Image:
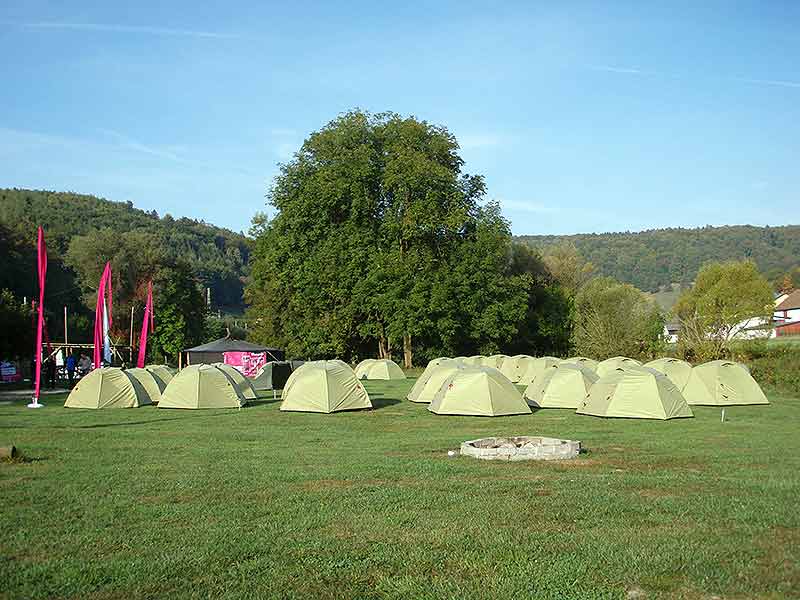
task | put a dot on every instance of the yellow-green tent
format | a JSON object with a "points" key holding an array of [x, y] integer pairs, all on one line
{"points": [[537, 367], [678, 371], [587, 363], [478, 391], [495, 361], [324, 386], [383, 369], [636, 393], [514, 366], [361, 368], [722, 383], [162, 373], [431, 380], [242, 383], [611, 364], [474, 361], [563, 386], [201, 386], [107, 387], [151, 384]]}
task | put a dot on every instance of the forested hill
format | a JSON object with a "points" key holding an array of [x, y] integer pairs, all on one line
{"points": [[656, 258], [219, 257]]}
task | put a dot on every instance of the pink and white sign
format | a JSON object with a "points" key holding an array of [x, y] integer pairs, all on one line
{"points": [[247, 363]]}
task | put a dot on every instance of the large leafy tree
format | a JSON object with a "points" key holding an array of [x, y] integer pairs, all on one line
{"points": [[380, 242], [726, 296], [613, 318]]}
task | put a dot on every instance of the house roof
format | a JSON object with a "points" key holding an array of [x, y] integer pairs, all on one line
{"points": [[791, 302], [228, 344]]}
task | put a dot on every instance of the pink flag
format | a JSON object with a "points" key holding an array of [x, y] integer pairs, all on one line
{"points": [[41, 250], [99, 333], [148, 322]]}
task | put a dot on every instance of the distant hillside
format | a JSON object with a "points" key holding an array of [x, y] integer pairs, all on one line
{"points": [[218, 256], [653, 260]]}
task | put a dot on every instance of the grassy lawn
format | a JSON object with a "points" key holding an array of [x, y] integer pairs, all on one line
{"points": [[256, 503]]}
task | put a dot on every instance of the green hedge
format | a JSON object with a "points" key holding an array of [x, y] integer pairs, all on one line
{"points": [[772, 365]]}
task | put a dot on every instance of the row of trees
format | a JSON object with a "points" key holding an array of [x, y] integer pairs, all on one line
{"points": [[653, 260], [381, 244], [136, 257]]}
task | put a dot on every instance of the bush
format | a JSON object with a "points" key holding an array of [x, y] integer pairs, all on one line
{"points": [[772, 365]]}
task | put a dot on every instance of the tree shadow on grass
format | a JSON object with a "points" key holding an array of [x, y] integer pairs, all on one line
{"points": [[120, 424]]}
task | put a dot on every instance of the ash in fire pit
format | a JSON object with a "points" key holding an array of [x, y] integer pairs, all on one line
{"points": [[521, 448]]}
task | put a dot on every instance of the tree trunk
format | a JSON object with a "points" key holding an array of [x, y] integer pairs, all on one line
{"points": [[381, 347], [389, 348], [407, 350]]}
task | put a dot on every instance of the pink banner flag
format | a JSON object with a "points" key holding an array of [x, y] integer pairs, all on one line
{"points": [[41, 251], [100, 312], [249, 363], [148, 323]]}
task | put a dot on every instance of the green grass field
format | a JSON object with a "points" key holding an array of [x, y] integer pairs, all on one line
{"points": [[149, 503]]}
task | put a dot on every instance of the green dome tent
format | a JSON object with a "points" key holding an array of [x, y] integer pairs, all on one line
{"points": [[361, 368], [513, 367], [678, 371], [201, 386], [242, 383], [431, 380], [324, 386], [635, 393], [495, 361], [383, 369], [563, 386], [536, 368], [611, 364], [152, 385], [478, 391], [422, 380], [587, 363], [272, 376], [107, 387], [722, 383], [162, 373]]}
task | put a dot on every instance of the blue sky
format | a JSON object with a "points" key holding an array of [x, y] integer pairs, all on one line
{"points": [[582, 116]]}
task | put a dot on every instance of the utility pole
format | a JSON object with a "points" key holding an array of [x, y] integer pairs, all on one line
{"points": [[131, 344]]}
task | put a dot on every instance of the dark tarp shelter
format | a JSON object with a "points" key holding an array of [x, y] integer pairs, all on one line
{"points": [[213, 352], [272, 376]]}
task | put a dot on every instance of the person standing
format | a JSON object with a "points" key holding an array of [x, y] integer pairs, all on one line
{"points": [[50, 366], [71, 368]]}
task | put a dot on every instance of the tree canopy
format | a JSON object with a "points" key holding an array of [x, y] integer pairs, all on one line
{"points": [[381, 242], [616, 319], [725, 295]]}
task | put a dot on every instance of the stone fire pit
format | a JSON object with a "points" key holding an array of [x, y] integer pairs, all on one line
{"points": [[521, 448]]}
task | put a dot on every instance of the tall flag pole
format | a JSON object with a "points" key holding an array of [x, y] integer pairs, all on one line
{"points": [[41, 252], [148, 323], [102, 318]]}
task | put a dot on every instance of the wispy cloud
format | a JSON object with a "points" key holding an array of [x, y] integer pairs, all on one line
{"points": [[132, 144], [609, 69], [635, 71], [112, 28], [789, 84]]}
